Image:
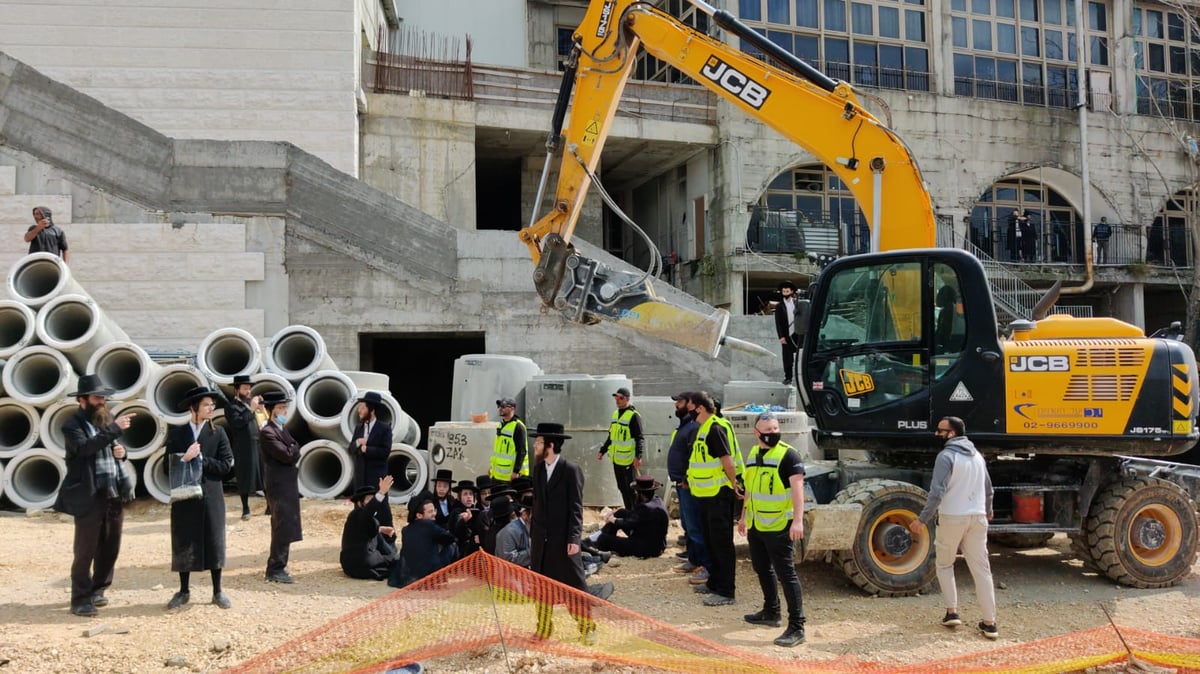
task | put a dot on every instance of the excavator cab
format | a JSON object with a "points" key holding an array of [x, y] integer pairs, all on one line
{"points": [[893, 337]]}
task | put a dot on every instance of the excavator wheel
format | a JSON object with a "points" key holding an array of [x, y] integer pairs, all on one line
{"points": [[887, 559], [1018, 541], [1083, 551], [1142, 532]]}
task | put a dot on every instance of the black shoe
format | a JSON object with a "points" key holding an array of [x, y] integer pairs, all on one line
{"points": [[601, 591], [85, 610], [604, 556], [794, 636], [951, 619], [763, 618], [989, 631], [179, 599], [245, 515], [681, 555], [681, 541], [222, 600], [787, 381], [280, 577], [99, 601]]}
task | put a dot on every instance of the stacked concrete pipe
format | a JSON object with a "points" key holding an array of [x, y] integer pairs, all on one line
{"points": [[265, 382], [124, 367], [147, 431], [155, 478], [78, 327], [325, 469], [227, 353], [297, 352], [167, 387], [38, 376], [50, 428], [38, 278], [409, 468], [33, 478], [18, 327], [18, 427], [321, 400]]}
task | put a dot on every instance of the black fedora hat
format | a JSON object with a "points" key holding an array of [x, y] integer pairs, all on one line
{"points": [[239, 379], [197, 392], [363, 492], [787, 284], [371, 398], [503, 489], [484, 482], [273, 398], [504, 506], [521, 483], [444, 475], [645, 483], [90, 385], [550, 430], [465, 484]]}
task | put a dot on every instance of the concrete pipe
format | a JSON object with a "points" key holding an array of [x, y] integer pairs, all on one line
{"points": [[390, 414], [124, 367], [18, 427], [369, 381], [228, 352], [155, 477], [50, 427], [40, 277], [38, 376], [297, 352], [33, 478], [326, 470], [146, 432], [321, 400], [409, 468], [410, 434], [18, 327], [267, 381], [77, 326], [3, 481], [166, 389]]}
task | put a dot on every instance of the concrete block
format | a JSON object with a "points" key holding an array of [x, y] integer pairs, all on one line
{"points": [[151, 324], [145, 237], [17, 209], [8, 180], [167, 295], [167, 267]]}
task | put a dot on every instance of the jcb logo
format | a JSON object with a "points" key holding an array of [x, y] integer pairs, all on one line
{"points": [[856, 383], [1039, 364], [605, 18], [739, 84]]}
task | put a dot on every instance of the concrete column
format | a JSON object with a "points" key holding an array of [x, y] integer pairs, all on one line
{"points": [[1124, 77], [941, 48], [1129, 304]]}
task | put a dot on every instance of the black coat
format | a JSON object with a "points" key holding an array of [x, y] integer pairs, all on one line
{"points": [[242, 427], [77, 493], [781, 318], [557, 521], [371, 465], [281, 454], [198, 525], [646, 526], [423, 548], [365, 552]]}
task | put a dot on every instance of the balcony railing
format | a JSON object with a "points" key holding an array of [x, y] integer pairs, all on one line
{"points": [[1027, 94], [1154, 245], [805, 232]]}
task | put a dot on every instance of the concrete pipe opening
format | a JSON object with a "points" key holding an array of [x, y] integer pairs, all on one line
{"points": [[124, 367], [325, 470], [409, 468], [167, 388], [388, 414], [38, 376], [18, 327], [228, 352], [267, 381], [75, 325], [50, 428], [155, 477], [18, 427], [40, 277], [296, 352], [320, 401], [33, 478], [146, 431]]}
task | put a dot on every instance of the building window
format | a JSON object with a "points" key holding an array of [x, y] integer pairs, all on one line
{"points": [[652, 69], [808, 208], [1054, 232], [1023, 51], [565, 45], [1166, 54], [1169, 237], [875, 43]]}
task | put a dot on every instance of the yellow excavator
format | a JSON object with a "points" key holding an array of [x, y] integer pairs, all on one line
{"points": [[1068, 410]]}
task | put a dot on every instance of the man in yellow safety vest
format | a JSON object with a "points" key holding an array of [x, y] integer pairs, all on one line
{"points": [[511, 449], [626, 444], [712, 480]]}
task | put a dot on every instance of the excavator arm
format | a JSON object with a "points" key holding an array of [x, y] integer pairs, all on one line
{"points": [[817, 113]]}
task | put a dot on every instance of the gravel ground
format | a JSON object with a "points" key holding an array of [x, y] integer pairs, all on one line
{"points": [[1044, 593]]}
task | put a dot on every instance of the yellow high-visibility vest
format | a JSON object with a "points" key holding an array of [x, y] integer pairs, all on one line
{"points": [[768, 498], [621, 445], [504, 451], [705, 474]]}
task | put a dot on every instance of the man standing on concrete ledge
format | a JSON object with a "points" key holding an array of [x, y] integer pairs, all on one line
{"points": [[785, 328], [370, 446], [627, 444], [43, 236]]}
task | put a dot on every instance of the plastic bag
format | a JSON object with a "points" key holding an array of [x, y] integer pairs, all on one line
{"points": [[185, 477]]}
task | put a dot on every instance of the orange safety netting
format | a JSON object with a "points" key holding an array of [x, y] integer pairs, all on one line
{"points": [[482, 602]]}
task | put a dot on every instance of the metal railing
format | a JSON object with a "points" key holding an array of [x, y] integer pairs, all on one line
{"points": [[1062, 243], [791, 232], [1028, 94], [1010, 295]]}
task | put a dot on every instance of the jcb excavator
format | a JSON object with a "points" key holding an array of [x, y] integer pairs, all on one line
{"points": [[1067, 409]]}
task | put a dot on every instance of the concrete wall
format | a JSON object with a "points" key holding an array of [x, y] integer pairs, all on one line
{"points": [[496, 27], [226, 69]]}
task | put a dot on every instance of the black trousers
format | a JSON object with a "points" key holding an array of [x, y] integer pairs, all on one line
{"points": [[790, 346], [623, 546], [773, 557], [625, 476], [97, 544], [716, 516], [277, 559]]}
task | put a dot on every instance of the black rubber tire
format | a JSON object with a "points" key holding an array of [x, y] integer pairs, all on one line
{"points": [[1083, 551], [890, 503], [1018, 541], [1157, 507]]}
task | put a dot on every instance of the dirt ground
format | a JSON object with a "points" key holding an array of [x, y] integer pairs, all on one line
{"points": [[1044, 593]]}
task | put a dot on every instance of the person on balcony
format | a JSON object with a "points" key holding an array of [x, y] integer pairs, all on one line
{"points": [[1101, 233]]}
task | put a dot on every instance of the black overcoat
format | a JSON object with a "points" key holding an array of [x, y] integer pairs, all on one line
{"points": [[198, 525], [242, 427], [366, 553], [77, 495], [371, 465], [281, 456], [557, 521]]}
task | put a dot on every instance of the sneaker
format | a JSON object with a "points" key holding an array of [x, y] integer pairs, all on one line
{"points": [[681, 555], [601, 591], [699, 576], [590, 570], [86, 610], [701, 589], [989, 631], [951, 619], [685, 567], [715, 599], [794, 636], [280, 577], [763, 618]]}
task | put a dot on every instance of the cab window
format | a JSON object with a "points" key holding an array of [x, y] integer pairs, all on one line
{"points": [[950, 326]]}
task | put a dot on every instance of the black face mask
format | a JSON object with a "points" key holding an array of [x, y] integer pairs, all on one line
{"points": [[770, 439]]}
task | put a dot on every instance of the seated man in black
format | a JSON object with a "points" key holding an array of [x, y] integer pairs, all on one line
{"points": [[645, 525], [425, 547], [470, 523], [368, 549]]}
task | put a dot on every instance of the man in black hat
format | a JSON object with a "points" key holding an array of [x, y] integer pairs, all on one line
{"points": [[95, 491], [512, 543], [444, 504], [469, 525], [198, 524], [370, 446], [368, 550], [785, 328], [484, 484], [644, 526], [281, 456], [625, 444], [242, 426], [556, 526], [510, 452]]}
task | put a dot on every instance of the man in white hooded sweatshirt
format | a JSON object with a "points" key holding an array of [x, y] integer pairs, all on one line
{"points": [[961, 497]]}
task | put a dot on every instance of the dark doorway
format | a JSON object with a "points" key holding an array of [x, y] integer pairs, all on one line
{"points": [[498, 194], [421, 368]]}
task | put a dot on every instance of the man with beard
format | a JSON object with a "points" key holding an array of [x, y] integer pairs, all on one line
{"points": [[242, 424], [511, 448], [95, 491], [281, 454], [198, 524], [697, 561], [370, 446]]}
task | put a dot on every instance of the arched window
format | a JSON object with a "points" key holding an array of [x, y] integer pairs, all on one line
{"points": [[1168, 239], [811, 206], [1053, 232]]}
